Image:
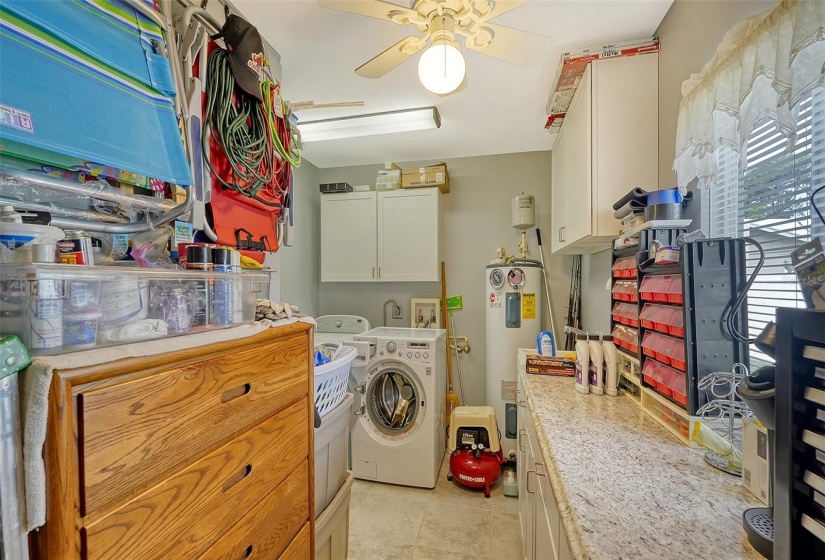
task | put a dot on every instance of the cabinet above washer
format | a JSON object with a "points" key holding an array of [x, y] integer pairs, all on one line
{"points": [[390, 236]]}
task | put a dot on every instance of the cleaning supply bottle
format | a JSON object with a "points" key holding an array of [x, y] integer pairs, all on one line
{"points": [[582, 363], [546, 344], [510, 485], [611, 367], [596, 377]]}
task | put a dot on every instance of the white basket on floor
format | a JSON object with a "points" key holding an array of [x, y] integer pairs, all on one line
{"points": [[331, 381]]}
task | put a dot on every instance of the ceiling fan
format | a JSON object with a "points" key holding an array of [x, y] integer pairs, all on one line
{"points": [[441, 67]]}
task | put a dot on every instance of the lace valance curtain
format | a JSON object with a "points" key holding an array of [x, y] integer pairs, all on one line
{"points": [[763, 68]]}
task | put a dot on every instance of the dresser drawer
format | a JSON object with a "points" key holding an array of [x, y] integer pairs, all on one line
{"points": [[134, 434], [269, 529], [186, 513], [300, 547]]}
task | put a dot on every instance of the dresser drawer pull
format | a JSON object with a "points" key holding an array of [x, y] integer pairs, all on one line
{"points": [[248, 553], [237, 478], [233, 394]]}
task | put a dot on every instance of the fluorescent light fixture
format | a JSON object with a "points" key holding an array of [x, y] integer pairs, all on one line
{"points": [[407, 120]]}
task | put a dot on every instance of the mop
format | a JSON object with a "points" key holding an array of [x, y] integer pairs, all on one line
{"points": [[546, 285]]}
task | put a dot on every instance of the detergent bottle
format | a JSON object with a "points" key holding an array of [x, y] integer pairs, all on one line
{"points": [[596, 377], [611, 367], [582, 363]]}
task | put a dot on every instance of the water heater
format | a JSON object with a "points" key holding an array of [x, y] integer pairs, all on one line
{"points": [[513, 321]]}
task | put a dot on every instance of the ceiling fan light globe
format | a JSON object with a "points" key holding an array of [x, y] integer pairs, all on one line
{"points": [[441, 68]]}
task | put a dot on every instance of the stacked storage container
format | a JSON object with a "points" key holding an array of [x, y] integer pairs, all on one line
{"points": [[333, 480]]}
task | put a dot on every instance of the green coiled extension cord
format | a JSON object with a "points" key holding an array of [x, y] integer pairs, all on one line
{"points": [[286, 154], [245, 131]]}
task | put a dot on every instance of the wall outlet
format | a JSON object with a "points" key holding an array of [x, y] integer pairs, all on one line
{"points": [[455, 302], [397, 312]]}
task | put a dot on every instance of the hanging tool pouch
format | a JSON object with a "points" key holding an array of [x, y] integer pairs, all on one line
{"points": [[239, 220]]}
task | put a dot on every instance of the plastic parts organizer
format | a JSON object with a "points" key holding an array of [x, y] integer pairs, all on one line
{"points": [[626, 314], [664, 319], [668, 381], [665, 288], [627, 338], [625, 267], [626, 290]]}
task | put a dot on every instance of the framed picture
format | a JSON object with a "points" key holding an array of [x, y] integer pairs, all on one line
{"points": [[425, 313]]}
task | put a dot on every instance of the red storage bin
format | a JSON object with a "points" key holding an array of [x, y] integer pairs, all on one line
{"points": [[667, 380], [648, 315], [674, 290], [625, 267], [647, 288], [661, 287], [677, 359], [680, 398], [677, 325], [649, 344]]}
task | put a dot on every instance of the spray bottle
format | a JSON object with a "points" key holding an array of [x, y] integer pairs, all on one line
{"points": [[596, 377], [582, 363], [611, 367]]}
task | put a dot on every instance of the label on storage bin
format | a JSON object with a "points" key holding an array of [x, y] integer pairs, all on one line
{"points": [[528, 306]]}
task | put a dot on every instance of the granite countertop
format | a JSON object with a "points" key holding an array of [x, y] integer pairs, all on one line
{"points": [[625, 486]]}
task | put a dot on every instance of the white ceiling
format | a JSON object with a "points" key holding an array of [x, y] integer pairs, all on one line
{"points": [[502, 110]]}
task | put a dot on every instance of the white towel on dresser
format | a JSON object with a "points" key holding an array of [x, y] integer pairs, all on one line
{"points": [[36, 380]]}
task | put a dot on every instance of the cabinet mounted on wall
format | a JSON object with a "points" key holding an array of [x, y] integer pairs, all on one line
{"points": [[390, 236], [607, 145]]}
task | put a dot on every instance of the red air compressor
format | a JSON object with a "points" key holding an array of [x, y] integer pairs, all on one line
{"points": [[475, 453]]}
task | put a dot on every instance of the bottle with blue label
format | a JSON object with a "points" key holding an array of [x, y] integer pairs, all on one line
{"points": [[546, 343]]}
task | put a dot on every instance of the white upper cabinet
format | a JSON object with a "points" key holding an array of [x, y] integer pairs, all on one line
{"points": [[607, 145], [408, 235], [388, 236], [348, 237]]}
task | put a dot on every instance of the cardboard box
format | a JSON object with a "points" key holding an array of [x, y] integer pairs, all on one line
{"points": [[431, 176], [550, 365], [756, 469]]}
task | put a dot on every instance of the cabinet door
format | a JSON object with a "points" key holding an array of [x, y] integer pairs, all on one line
{"points": [[559, 185], [349, 236], [408, 228], [525, 513], [578, 161], [548, 522]]}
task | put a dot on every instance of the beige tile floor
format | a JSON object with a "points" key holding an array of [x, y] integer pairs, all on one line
{"points": [[450, 522]]}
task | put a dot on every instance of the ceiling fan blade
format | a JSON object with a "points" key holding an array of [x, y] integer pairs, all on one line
{"points": [[461, 86], [390, 58], [511, 45], [370, 8], [504, 6]]}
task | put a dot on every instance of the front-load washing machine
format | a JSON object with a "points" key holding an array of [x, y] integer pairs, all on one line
{"points": [[399, 432]]}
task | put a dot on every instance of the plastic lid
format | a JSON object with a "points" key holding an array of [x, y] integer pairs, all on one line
{"points": [[221, 257], [43, 252], [198, 254]]}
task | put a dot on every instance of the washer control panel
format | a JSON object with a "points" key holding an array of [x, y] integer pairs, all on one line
{"points": [[414, 351]]}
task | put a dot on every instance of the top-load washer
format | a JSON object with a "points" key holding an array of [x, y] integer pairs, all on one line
{"points": [[399, 429]]}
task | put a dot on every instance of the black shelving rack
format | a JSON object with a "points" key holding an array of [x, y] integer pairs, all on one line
{"points": [[712, 275], [799, 474]]}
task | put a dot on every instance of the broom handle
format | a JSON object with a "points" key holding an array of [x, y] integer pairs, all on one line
{"points": [[446, 323]]}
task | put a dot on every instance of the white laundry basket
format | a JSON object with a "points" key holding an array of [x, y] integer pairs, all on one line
{"points": [[331, 381], [332, 454], [332, 526]]}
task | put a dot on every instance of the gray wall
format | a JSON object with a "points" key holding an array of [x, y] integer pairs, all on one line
{"points": [[476, 221], [689, 35], [300, 265]]}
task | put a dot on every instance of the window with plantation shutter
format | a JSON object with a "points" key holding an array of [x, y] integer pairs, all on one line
{"points": [[764, 194]]}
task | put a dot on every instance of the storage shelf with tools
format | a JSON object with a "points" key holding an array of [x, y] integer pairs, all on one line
{"points": [[683, 309]]}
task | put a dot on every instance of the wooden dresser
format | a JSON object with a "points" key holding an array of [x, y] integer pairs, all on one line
{"points": [[201, 454]]}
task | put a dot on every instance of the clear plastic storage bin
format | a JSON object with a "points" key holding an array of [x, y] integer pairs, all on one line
{"points": [[56, 308], [626, 314], [666, 380]]}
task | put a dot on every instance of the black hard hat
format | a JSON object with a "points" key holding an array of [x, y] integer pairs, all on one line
{"points": [[246, 54]]}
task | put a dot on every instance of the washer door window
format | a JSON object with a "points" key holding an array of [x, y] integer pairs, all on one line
{"points": [[393, 401]]}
